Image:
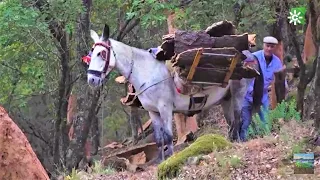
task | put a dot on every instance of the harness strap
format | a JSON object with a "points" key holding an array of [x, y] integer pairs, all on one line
{"points": [[197, 100], [152, 85]]}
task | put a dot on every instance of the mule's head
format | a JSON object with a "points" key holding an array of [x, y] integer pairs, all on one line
{"points": [[101, 60]]}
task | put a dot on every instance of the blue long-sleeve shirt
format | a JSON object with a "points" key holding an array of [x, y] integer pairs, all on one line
{"points": [[268, 76]]}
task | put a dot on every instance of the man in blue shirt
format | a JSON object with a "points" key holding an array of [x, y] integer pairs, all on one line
{"points": [[257, 99]]}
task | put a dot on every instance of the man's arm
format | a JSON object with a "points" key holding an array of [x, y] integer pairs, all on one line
{"points": [[280, 67]]}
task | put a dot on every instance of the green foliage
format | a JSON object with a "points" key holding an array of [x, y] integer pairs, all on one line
{"points": [[297, 148], [73, 176], [151, 12], [29, 60], [116, 121], [99, 169], [229, 161], [204, 144], [23, 48], [200, 14], [285, 110]]}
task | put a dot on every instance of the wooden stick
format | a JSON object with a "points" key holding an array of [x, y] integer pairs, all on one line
{"points": [[194, 64], [231, 69]]}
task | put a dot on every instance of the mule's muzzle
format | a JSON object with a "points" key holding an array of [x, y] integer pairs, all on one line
{"points": [[94, 80]]}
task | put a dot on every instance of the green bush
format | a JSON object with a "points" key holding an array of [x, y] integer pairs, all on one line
{"points": [[285, 110]]}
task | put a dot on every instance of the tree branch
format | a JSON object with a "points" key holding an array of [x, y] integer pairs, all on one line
{"points": [[129, 28]]}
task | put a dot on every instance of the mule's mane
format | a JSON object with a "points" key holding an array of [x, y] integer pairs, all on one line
{"points": [[130, 52]]}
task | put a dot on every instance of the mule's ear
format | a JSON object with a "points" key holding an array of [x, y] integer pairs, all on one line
{"points": [[94, 35], [106, 33]]}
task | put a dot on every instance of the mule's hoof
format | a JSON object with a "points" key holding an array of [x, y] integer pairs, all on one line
{"points": [[167, 154], [156, 161]]}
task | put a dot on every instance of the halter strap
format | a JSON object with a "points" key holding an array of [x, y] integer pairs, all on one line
{"points": [[108, 47], [104, 44]]}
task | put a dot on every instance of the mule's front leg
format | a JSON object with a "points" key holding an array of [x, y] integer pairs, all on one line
{"points": [[232, 108], [167, 116], [238, 90], [158, 135]]}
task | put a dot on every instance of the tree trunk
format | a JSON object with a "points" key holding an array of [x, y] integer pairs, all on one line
{"points": [[309, 54], [304, 76], [309, 48], [314, 8], [95, 133], [61, 139], [135, 123], [310, 101], [300, 97], [57, 29], [87, 98], [317, 93], [277, 33]]}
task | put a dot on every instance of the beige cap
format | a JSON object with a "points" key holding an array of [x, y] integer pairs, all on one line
{"points": [[270, 39]]}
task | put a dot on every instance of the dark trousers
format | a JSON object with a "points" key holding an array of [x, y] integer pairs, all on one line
{"points": [[246, 116]]}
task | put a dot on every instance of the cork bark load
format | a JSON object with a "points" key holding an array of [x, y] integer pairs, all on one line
{"points": [[185, 40], [17, 159], [220, 46]]}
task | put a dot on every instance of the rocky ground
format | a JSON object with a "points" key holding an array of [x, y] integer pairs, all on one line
{"points": [[264, 158]]}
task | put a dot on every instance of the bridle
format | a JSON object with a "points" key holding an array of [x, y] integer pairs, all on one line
{"points": [[105, 55]]}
